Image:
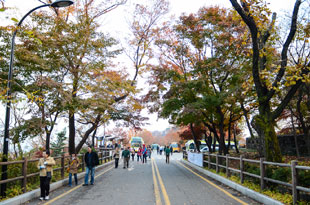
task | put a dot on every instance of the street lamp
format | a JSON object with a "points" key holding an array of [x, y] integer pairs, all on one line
{"points": [[56, 4]]}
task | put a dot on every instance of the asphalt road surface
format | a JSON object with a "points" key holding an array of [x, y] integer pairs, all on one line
{"points": [[152, 183]]}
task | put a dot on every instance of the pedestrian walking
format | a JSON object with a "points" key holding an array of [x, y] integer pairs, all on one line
{"points": [[139, 154], [144, 154], [133, 154], [161, 150], [116, 157], [126, 157], [45, 165], [171, 150], [167, 152], [91, 161], [73, 169], [157, 149], [149, 152]]}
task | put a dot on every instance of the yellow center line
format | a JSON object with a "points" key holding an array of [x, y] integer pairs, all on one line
{"points": [[156, 188], [211, 183], [71, 190], [162, 186]]}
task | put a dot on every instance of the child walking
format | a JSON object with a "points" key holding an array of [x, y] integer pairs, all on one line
{"points": [[73, 169]]}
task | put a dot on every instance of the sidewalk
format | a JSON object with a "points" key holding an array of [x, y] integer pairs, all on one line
{"points": [[23, 198]]}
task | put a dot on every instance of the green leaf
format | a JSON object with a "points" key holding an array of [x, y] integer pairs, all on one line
{"points": [[29, 32], [14, 19]]}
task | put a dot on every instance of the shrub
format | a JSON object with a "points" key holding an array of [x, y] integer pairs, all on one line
{"points": [[281, 174], [304, 178]]}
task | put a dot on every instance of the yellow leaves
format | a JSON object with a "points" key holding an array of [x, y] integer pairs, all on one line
{"points": [[33, 98], [294, 74], [137, 106]]}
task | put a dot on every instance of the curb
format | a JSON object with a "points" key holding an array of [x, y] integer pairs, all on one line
{"points": [[245, 191], [23, 198]]}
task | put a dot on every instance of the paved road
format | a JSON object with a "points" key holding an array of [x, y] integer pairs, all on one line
{"points": [[153, 183]]}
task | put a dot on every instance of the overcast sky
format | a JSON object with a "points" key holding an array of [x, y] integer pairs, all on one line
{"points": [[115, 22]]}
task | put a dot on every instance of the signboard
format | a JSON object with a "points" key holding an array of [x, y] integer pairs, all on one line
{"points": [[195, 158]]}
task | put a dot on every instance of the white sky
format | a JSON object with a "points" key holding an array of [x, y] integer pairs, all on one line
{"points": [[115, 22]]}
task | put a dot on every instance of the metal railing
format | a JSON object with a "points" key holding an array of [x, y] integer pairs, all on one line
{"points": [[293, 185]]}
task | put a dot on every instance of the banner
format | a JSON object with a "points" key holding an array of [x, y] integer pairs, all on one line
{"points": [[195, 158]]}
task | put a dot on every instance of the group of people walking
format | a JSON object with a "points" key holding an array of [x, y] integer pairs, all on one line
{"points": [[46, 163], [143, 153]]}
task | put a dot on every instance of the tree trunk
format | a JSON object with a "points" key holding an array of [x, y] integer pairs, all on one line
{"points": [[48, 131], [208, 139], [93, 137], [264, 127], [48, 138], [195, 137], [229, 133], [20, 150], [222, 148], [214, 144], [15, 151], [71, 116], [235, 140], [294, 133], [87, 133], [71, 132], [247, 120]]}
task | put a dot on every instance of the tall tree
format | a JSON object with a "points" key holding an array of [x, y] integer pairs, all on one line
{"points": [[255, 16], [201, 68]]}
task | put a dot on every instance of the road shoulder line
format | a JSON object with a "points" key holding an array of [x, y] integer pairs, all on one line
{"points": [[245, 191], [214, 185]]}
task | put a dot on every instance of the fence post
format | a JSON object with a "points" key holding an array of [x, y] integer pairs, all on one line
{"points": [[241, 169], [83, 163], [105, 156], [262, 173], [101, 153], [63, 166], [24, 173], [209, 160], [294, 181], [217, 163], [227, 165]]}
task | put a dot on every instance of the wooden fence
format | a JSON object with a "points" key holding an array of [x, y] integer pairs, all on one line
{"points": [[104, 155], [262, 177]]}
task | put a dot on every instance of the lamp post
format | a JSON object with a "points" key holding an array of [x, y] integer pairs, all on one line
{"points": [[56, 4]]}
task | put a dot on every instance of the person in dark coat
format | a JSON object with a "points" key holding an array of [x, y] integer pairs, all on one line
{"points": [[91, 161], [144, 154], [126, 157], [167, 151]]}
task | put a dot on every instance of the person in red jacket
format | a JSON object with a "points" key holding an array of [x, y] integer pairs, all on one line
{"points": [[139, 154]]}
